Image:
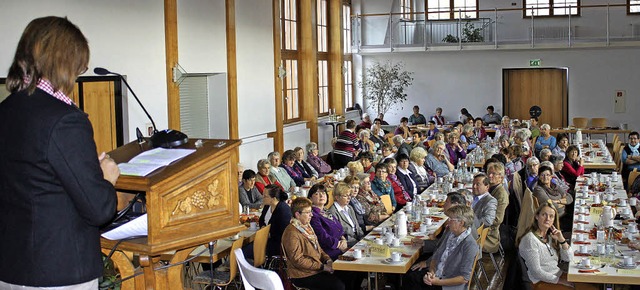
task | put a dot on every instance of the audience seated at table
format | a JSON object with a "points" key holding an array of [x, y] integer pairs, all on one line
{"points": [[484, 205], [521, 138], [516, 155], [401, 146], [416, 118], [366, 121], [387, 151], [479, 130], [403, 128], [366, 159], [547, 191], [327, 227], [355, 167], [381, 118], [573, 167], [366, 144], [464, 116], [454, 150], [418, 140], [495, 171], [276, 212], [471, 140], [558, 179], [539, 249], [562, 143], [380, 185], [302, 164], [405, 176], [377, 136], [452, 262], [374, 210], [419, 172], [431, 133], [298, 174], [505, 127], [400, 193], [630, 156], [438, 118], [315, 161], [308, 265], [438, 161], [279, 173], [354, 184], [523, 179], [347, 146], [345, 214], [264, 176], [545, 140], [249, 195], [491, 117]]}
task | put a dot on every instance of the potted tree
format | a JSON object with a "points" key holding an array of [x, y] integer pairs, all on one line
{"points": [[384, 85]]}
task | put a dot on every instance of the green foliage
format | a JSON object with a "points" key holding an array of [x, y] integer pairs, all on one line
{"points": [[384, 85], [110, 279], [469, 34]]}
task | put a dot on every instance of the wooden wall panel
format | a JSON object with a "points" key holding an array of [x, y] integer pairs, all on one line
{"points": [[98, 103]]}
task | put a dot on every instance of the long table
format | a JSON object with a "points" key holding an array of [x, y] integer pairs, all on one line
{"points": [[607, 272], [599, 161], [410, 253]]}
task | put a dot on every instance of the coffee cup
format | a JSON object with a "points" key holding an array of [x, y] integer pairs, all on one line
{"points": [[628, 261], [357, 253], [585, 262], [389, 237], [253, 226], [580, 237], [594, 174], [580, 227], [596, 199], [303, 192], [601, 249], [584, 249], [235, 237], [423, 228], [585, 189], [425, 210], [395, 256], [623, 202], [296, 189], [307, 183], [581, 218], [384, 230], [396, 242], [625, 211], [579, 201], [460, 186], [600, 235], [379, 241], [428, 221], [633, 201]]}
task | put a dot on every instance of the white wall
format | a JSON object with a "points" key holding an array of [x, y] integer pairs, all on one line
{"points": [[124, 36]]}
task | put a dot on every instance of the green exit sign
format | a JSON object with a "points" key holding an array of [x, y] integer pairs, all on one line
{"points": [[535, 62]]}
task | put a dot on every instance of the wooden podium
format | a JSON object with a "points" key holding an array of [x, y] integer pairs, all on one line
{"points": [[189, 203]]}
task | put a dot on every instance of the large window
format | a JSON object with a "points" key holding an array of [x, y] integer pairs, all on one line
{"points": [[289, 36], [452, 9], [406, 9], [347, 67], [322, 20], [551, 7], [633, 6]]}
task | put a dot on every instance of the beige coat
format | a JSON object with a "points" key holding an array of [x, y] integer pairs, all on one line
{"points": [[493, 238], [303, 260]]}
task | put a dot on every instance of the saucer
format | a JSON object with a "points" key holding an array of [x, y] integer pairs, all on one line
{"points": [[625, 253], [581, 267], [392, 262], [620, 265], [415, 234], [233, 239]]}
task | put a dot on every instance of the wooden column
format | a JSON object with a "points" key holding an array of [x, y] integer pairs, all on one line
{"points": [[308, 67], [232, 71], [171, 51], [278, 135], [336, 77]]}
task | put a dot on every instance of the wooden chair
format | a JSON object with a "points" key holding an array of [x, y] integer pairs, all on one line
{"points": [[330, 199], [386, 200], [253, 277], [599, 122], [632, 177], [222, 279], [482, 237], [580, 122], [260, 246], [618, 160]]}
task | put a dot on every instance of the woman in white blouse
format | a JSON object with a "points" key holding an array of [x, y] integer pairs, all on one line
{"points": [[416, 166], [540, 246]]}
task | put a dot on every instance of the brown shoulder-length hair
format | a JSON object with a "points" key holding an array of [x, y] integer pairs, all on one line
{"points": [[52, 48]]}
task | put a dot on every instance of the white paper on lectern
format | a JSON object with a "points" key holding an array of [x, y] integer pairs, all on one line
{"points": [[148, 161], [136, 227]]}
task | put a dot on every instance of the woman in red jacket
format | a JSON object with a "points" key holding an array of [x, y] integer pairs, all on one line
{"points": [[572, 168]]}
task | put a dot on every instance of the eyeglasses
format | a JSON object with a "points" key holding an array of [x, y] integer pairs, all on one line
{"points": [[305, 212], [545, 175]]}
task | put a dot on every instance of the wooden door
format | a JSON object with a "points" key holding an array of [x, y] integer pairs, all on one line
{"points": [[546, 88]]}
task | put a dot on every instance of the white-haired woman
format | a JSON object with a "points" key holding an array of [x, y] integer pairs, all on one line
{"points": [[545, 140], [419, 173], [366, 143], [521, 138], [438, 161], [505, 128], [315, 161]]}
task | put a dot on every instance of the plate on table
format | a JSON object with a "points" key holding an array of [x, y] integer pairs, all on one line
{"points": [[620, 265], [389, 261], [582, 267], [620, 254]]}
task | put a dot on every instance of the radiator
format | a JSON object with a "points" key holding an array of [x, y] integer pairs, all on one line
{"points": [[552, 32]]}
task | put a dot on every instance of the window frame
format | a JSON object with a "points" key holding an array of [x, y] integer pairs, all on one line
{"points": [[453, 14], [407, 10], [324, 92], [348, 96], [629, 4], [551, 11], [286, 56]]}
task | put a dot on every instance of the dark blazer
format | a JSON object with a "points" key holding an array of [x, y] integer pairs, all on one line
{"points": [[53, 196], [406, 182], [280, 219]]}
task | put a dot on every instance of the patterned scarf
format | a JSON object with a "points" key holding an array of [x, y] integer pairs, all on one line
{"points": [[357, 206], [307, 231], [394, 178], [384, 184]]}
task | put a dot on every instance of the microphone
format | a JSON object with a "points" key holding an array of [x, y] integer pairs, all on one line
{"points": [[166, 138]]}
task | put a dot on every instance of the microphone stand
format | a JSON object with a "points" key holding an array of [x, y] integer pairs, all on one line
{"points": [[166, 138]]}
